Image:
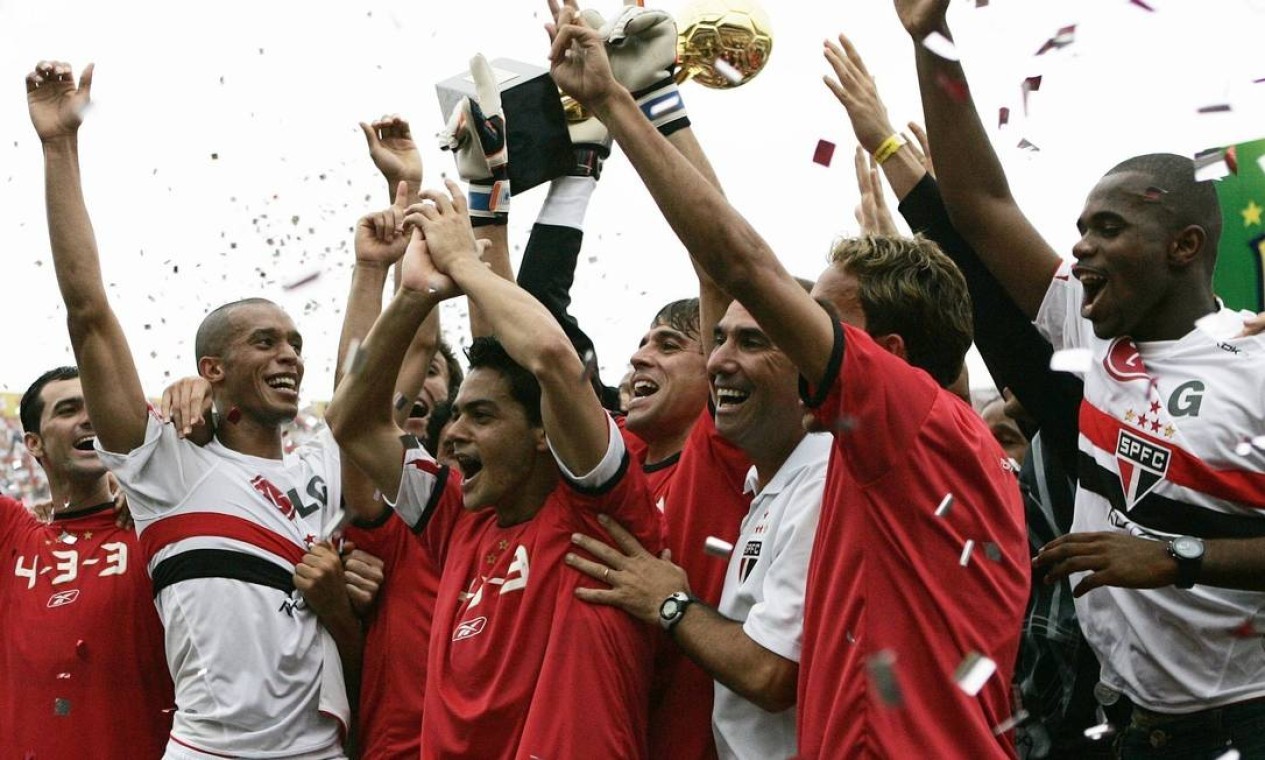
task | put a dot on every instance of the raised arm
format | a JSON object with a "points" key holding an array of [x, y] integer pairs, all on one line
{"points": [[725, 246], [111, 386], [970, 175], [577, 426], [361, 413]]}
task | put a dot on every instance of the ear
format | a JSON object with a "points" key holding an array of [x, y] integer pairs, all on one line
{"points": [[1187, 246], [34, 444], [541, 444], [211, 368], [893, 343]]}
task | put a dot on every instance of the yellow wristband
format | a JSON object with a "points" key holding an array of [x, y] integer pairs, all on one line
{"points": [[888, 147]]}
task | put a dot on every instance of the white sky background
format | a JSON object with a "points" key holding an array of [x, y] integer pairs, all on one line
{"points": [[275, 90]]}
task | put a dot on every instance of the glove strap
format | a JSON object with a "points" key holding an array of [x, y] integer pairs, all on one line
{"points": [[489, 202], [588, 160], [662, 104]]}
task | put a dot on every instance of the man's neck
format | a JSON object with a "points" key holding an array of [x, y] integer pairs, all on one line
{"points": [[73, 495], [1176, 323], [772, 455], [665, 448], [527, 500], [251, 437]]}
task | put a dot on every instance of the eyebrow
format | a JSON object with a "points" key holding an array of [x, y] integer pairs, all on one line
{"points": [[1083, 224], [71, 402], [479, 404]]}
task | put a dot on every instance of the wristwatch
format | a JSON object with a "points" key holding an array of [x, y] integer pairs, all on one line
{"points": [[1189, 553], [673, 609]]}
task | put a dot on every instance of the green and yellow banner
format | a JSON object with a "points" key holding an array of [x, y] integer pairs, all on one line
{"points": [[1240, 275]]}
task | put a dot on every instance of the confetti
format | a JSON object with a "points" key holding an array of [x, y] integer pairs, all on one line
{"points": [[1065, 36], [1214, 108], [1100, 731], [67, 538], [824, 153], [306, 279], [992, 551], [1243, 449], [1031, 84], [945, 505], [1210, 165], [234, 415], [401, 401], [1072, 360], [940, 45], [953, 87], [590, 366], [718, 547], [61, 706], [727, 70], [215, 156], [1259, 442], [966, 552], [1003, 116], [882, 674], [1230, 754], [1010, 723], [973, 672], [1025, 144], [1144, 7]]}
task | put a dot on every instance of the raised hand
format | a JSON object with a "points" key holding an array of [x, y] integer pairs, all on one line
{"points": [[855, 89], [445, 223], [922, 17], [578, 60], [392, 149], [380, 236], [418, 272], [872, 213], [55, 103], [923, 150]]}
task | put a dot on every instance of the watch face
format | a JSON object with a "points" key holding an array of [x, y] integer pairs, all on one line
{"points": [[669, 608], [1188, 547]]}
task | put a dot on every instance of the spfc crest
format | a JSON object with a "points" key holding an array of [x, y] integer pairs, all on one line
{"points": [[750, 556], [1142, 465]]}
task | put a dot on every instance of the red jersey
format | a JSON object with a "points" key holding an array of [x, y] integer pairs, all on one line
{"points": [[887, 575], [519, 667], [82, 669], [397, 636]]}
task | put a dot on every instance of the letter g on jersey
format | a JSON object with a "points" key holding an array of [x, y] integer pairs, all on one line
{"points": [[1187, 399]]}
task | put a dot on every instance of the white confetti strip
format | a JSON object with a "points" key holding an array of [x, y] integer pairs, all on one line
{"points": [[1231, 754], [718, 547], [1072, 360], [1010, 723], [881, 669], [945, 505], [1094, 733], [973, 672], [966, 552], [941, 46], [1243, 449], [727, 70]]}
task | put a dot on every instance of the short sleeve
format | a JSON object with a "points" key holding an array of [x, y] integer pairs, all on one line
{"points": [[871, 400], [777, 622], [1059, 318], [616, 489], [429, 501], [160, 473], [606, 469]]}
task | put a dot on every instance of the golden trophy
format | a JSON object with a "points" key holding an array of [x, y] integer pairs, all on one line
{"points": [[723, 43]]}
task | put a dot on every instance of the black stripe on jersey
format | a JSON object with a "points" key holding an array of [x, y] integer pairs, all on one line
{"points": [[605, 487], [437, 492], [375, 523], [221, 563], [1166, 515], [814, 397]]}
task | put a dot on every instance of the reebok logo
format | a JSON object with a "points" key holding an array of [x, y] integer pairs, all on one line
{"points": [[63, 598], [469, 629]]}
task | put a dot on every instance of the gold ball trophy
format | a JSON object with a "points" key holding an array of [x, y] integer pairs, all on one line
{"points": [[723, 43]]}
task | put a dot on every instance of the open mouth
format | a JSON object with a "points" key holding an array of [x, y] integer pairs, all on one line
{"points": [[468, 465], [420, 410], [1093, 284], [643, 388], [283, 382], [730, 397], [85, 443]]}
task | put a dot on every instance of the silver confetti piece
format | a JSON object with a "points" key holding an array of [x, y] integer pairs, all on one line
{"points": [[945, 505], [966, 552], [355, 358], [1010, 723], [881, 670], [973, 672], [1230, 754], [718, 547], [61, 706]]}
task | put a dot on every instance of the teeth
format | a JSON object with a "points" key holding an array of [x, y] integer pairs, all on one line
{"points": [[730, 396], [644, 387], [283, 382]]}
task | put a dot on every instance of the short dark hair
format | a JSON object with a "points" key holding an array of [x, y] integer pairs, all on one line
{"points": [[435, 421], [1185, 200], [486, 352], [909, 287], [681, 316], [455, 373], [216, 330], [32, 406]]}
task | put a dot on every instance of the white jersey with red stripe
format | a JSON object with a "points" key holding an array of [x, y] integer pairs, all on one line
{"points": [[1165, 450], [221, 533]]}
